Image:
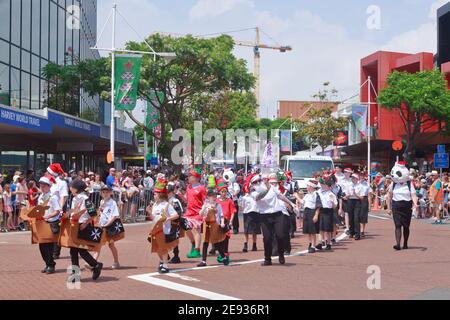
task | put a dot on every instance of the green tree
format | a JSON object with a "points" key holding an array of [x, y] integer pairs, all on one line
{"points": [[422, 101], [203, 70]]}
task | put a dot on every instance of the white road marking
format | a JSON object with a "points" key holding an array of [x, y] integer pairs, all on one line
{"points": [[378, 217], [151, 277], [182, 288], [3, 242], [179, 276]]}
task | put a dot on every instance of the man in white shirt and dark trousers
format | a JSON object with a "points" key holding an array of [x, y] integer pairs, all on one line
{"points": [[345, 184], [362, 191]]}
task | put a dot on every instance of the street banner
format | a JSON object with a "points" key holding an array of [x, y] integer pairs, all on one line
{"points": [[285, 143], [359, 115], [268, 160], [152, 116], [340, 138], [127, 69]]}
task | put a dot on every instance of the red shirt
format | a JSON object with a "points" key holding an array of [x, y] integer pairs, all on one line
{"points": [[31, 193], [228, 207], [195, 198]]}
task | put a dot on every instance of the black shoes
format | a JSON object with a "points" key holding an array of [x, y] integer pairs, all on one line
{"points": [[201, 264], [282, 260], [357, 238], [254, 247], [50, 270], [44, 270], [405, 247], [397, 247], [245, 248], [97, 270], [319, 246], [333, 241], [235, 231], [266, 263], [226, 261], [175, 260], [311, 250], [328, 247], [363, 234], [163, 270]]}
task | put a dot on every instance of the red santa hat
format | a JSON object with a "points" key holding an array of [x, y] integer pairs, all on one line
{"points": [[55, 169], [47, 179]]}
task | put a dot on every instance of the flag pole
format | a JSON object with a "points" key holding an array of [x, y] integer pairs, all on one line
{"points": [[113, 59], [145, 137], [369, 135]]}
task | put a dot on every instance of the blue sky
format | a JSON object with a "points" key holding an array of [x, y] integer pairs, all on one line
{"points": [[329, 37]]}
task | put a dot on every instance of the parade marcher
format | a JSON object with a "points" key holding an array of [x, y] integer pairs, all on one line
{"points": [[250, 210], [233, 189], [164, 238], [401, 200], [338, 211], [328, 202], [80, 202], [311, 214], [52, 216], [229, 212], [213, 225], [362, 191], [176, 204], [272, 221], [110, 217], [196, 195], [346, 184], [61, 191], [338, 174], [353, 208]]}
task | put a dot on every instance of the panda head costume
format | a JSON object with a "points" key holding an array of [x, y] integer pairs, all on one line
{"points": [[399, 173], [229, 176]]}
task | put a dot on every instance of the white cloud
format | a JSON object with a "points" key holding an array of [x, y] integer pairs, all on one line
{"points": [[214, 8]]}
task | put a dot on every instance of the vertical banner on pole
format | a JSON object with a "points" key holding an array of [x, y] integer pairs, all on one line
{"points": [[127, 69], [285, 143], [359, 115]]}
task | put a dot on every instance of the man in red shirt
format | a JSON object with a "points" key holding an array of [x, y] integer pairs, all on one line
{"points": [[195, 196]]}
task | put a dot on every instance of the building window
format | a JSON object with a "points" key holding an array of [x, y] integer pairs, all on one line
{"points": [[4, 19], [15, 87], [15, 22], [15, 56], [35, 93], [4, 85], [25, 91], [53, 32], [4, 51], [35, 29], [44, 28], [26, 24]]}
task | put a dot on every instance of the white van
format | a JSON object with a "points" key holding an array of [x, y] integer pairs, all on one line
{"points": [[304, 165]]}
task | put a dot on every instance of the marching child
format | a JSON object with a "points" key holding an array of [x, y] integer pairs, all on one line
{"points": [[328, 202], [229, 211], [109, 213], [311, 214], [213, 228], [251, 216]]}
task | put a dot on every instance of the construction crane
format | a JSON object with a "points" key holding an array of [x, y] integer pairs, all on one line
{"points": [[257, 45]]}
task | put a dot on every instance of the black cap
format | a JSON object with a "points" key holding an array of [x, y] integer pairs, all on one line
{"points": [[106, 188], [211, 193], [171, 187]]}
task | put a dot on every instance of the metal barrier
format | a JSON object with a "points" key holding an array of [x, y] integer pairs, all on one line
{"points": [[133, 203]]}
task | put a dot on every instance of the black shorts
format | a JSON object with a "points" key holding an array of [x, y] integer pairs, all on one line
{"points": [[252, 223], [326, 220]]}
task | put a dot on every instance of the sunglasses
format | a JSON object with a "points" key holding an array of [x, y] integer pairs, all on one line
{"points": [[256, 182]]}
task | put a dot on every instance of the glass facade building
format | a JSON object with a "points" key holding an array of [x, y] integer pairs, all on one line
{"points": [[36, 32]]}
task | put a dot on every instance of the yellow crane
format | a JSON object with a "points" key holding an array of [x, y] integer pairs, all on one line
{"points": [[257, 45]]}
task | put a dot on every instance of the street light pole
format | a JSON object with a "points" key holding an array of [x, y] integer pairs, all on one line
{"points": [[145, 138], [369, 131], [113, 59]]}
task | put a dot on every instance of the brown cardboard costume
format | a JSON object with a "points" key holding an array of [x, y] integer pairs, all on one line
{"points": [[156, 235], [40, 229], [212, 232], [68, 237]]}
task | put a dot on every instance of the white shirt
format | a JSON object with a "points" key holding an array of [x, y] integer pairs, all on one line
{"points": [[339, 177], [109, 210], [362, 189], [401, 192], [310, 200], [268, 204], [346, 185], [281, 205], [352, 188], [249, 204], [233, 188], [327, 198], [53, 203], [60, 188], [79, 200], [158, 209]]}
